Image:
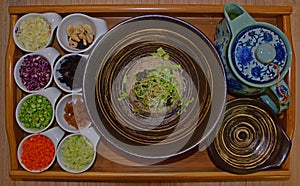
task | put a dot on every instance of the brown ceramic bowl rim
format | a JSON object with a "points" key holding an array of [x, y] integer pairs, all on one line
{"points": [[211, 65]]}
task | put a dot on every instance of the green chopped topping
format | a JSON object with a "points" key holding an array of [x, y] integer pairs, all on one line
{"points": [[185, 103], [161, 53], [158, 89], [77, 152], [123, 96], [124, 79]]}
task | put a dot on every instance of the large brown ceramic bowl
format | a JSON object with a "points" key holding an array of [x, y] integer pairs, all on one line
{"points": [[124, 56]]}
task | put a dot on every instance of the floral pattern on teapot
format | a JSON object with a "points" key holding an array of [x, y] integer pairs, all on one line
{"points": [[246, 63], [222, 39]]}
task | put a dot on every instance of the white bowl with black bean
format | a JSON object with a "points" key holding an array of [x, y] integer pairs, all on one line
{"points": [[68, 72]]}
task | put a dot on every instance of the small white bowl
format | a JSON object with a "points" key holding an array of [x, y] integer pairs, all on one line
{"points": [[51, 94], [53, 19], [55, 135], [50, 54], [78, 75], [99, 27], [60, 112], [92, 137]]}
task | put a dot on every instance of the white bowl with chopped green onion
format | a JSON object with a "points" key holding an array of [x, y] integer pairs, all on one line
{"points": [[77, 152], [35, 31], [35, 112]]}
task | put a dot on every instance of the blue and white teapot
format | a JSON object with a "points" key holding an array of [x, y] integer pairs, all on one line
{"points": [[256, 57]]}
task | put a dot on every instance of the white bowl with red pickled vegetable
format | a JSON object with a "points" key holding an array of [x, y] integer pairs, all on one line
{"points": [[35, 31], [35, 112], [34, 71], [68, 72], [36, 152], [78, 32], [70, 113]]}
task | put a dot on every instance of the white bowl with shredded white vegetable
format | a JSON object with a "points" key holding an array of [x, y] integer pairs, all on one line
{"points": [[35, 31], [77, 152]]}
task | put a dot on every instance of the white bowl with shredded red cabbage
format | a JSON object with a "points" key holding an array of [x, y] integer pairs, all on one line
{"points": [[35, 31], [34, 71]]}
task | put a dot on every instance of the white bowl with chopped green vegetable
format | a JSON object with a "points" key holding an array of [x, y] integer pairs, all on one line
{"points": [[76, 153], [34, 71], [35, 31], [35, 112]]}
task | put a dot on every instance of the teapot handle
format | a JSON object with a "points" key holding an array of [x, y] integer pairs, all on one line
{"points": [[274, 98], [237, 18]]}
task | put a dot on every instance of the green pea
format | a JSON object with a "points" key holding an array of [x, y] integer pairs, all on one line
{"points": [[35, 112]]}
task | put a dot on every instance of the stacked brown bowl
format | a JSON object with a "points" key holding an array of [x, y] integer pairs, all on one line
{"points": [[127, 55]]}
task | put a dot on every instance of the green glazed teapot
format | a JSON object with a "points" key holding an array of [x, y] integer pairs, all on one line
{"points": [[256, 57]]}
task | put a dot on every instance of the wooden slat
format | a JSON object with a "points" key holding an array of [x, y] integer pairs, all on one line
{"points": [[270, 10], [10, 89], [153, 176]]}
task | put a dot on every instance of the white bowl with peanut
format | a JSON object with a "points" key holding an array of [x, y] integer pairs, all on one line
{"points": [[78, 33]]}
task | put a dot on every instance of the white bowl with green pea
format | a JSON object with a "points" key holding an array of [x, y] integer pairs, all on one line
{"points": [[35, 112]]}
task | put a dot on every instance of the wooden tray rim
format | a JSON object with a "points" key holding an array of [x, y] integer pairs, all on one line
{"points": [[283, 12]]}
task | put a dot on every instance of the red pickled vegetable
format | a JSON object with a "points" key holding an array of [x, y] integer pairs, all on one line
{"points": [[38, 152], [35, 72], [76, 115]]}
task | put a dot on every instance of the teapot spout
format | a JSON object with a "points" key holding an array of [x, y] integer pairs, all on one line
{"points": [[237, 18]]}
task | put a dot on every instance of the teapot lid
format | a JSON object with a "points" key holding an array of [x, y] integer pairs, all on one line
{"points": [[260, 55]]}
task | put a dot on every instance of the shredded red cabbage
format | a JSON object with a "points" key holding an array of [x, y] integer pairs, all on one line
{"points": [[35, 72]]}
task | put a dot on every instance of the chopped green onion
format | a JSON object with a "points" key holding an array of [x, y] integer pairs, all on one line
{"points": [[161, 53], [77, 152], [123, 96]]}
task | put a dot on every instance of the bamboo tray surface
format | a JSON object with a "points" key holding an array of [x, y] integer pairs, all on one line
{"points": [[191, 166]]}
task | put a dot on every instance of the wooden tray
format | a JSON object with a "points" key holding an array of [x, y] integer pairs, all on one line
{"points": [[191, 166]]}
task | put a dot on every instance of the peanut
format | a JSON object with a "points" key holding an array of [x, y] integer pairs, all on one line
{"points": [[79, 33]]}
